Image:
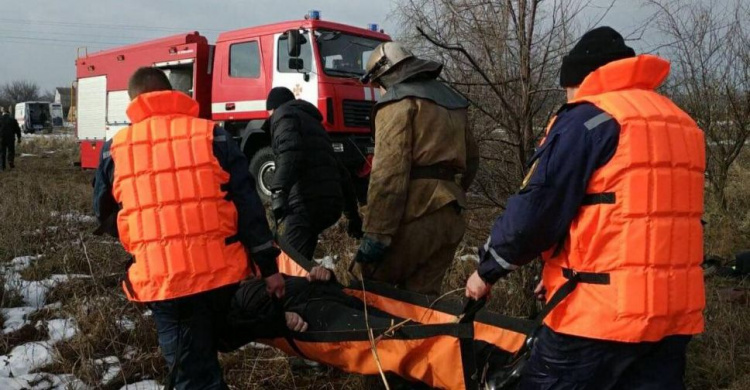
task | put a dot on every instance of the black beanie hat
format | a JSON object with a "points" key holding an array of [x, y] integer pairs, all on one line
{"points": [[595, 49], [278, 96]]}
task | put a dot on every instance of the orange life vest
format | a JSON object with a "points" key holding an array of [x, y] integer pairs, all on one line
{"points": [[175, 219], [637, 242]]}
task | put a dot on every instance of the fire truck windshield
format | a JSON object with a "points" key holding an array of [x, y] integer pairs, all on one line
{"points": [[344, 55]]}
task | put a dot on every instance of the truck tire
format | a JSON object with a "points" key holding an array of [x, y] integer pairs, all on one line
{"points": [[262, 168]]}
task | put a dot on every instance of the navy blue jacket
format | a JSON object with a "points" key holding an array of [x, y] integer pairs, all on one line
{"points": [[252, 226], [582, 139]]}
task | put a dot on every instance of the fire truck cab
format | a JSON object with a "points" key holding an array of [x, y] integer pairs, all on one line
{"points": [[319, 61]]}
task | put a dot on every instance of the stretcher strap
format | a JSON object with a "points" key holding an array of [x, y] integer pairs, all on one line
{"points": [[294, 254]]}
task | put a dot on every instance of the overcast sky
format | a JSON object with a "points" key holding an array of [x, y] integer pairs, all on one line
{"points": [[39, 38]]}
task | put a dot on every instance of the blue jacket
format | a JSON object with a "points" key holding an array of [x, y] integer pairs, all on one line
{"points": [[252, 223], [582, 139]]}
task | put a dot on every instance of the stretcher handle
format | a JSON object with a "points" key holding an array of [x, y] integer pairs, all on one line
{"points": [[471, 308]]}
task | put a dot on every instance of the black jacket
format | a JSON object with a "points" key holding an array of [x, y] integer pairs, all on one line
{"points": [[8, 129], [307, 169]]}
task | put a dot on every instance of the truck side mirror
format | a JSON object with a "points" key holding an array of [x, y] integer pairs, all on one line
{"points": [[295, 40], [296, 64]]}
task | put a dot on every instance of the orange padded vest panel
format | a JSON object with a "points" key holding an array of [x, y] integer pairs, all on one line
{"points": [[174, 220], [648, 238]]}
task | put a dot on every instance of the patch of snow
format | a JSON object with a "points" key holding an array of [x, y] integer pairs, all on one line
{"points": [[61, 329], [16, 318], [126, 323], [27, 155], [147, 313], [328, 261], [74, 217], [53, 306], [255, 345], [42, 381], [111, 367], [25, 358], [143, 385], [130, 352], [473, 258]]}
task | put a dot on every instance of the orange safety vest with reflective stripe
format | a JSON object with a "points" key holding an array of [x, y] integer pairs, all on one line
{"points": [[637, 241], [175, 219]]}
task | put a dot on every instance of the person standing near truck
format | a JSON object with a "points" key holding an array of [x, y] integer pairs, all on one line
{"points": [[187, 211], [425, 160], [9, 131], [310, 185]]}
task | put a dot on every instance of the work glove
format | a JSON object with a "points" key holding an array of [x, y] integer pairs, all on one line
{"points": [[354, 229], [370, 251], [278, 205]]}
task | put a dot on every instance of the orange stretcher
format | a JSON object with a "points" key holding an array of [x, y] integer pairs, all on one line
{"points": [[439, 342]]}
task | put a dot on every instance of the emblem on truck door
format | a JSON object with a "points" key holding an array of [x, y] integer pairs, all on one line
{"points": [[297, 91]]}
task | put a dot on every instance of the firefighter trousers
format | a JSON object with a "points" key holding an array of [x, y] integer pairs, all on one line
{"points": [[421, 252]]}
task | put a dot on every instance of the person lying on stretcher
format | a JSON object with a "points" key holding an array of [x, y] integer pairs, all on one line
{"points": [[312, 303], [319, 304]]}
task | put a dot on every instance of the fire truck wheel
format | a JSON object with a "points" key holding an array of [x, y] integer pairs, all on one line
{"points": [[262, 168]]}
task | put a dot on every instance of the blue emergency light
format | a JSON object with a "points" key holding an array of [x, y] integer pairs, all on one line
{"points": [[313, 14], [373, 27]]}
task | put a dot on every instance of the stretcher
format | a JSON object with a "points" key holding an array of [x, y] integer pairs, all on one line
{"points": [[371, 328]]}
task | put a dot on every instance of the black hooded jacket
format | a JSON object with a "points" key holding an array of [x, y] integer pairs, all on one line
{"points": [[307, 169], [9, 129]]}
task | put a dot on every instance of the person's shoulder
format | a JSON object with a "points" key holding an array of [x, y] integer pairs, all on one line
{"points": [[582, 116]]}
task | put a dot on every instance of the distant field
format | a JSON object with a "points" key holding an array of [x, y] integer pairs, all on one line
{"points": [[64, 314]]}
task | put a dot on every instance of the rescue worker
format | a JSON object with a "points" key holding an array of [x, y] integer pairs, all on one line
{"points": [[187, 211], [9, 131], [310, 185], [613, 202], [425, 160]]}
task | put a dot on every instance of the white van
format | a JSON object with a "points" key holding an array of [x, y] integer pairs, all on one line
{"points": [[34, 116]]}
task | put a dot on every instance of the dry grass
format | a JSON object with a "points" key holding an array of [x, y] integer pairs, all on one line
{"points": [[48, 183]]}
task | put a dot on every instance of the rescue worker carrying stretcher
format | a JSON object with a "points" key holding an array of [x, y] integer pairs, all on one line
{"points": [[425, 160], [186, 209], [612, 201]]}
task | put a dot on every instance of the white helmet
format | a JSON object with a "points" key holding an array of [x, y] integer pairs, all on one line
{"points": [[383, 58]]}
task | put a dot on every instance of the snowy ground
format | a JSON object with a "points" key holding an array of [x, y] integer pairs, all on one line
{"points": [[18, 369]]}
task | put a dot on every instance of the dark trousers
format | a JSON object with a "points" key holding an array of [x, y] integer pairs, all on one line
{"points": [[566, 362], [190, 327], [303, 225], [7, 152]]}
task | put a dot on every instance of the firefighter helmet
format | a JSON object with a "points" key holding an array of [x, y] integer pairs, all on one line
{"points": [[383, 59]]}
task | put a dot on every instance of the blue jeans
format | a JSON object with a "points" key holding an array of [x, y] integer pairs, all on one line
{"points": [[190, 326], [563, 362]]}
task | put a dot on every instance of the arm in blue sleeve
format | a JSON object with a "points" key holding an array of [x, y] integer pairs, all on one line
{"points": [[252, 225], [582, 139], [105, 206]]}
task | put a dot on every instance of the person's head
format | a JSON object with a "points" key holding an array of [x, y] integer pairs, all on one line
{"points": [[278, 96], [146, 80], [384, 59], [595, 49]]}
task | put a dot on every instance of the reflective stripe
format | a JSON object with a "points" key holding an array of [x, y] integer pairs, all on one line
{"points": [[504, 264], [220, 138], [261, 247], [597, 120]]}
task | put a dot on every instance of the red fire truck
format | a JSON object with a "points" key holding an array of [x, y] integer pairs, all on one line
{"points": [[319, 61]]}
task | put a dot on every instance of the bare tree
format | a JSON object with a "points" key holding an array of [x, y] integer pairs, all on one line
{"points": [[709, 47], [504, 56], [18, 91]]}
